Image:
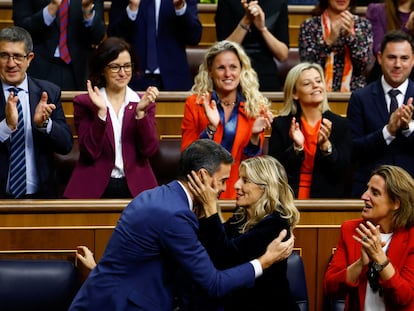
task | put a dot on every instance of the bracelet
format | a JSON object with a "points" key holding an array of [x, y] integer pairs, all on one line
{"points": [[210, 131], [88, 12], [247, 28]]}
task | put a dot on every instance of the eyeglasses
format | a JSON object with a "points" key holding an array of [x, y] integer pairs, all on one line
{"points": [[117, 68], [17, 58]]}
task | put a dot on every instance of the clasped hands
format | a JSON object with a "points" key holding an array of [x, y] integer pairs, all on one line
{"points": [[298, 138], [369, 236]]}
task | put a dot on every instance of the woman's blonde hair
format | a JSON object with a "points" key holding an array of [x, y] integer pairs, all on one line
{"points": [[292, 105], [249, 84], [270, 174]]}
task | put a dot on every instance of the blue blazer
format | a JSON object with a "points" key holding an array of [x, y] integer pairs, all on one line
{"points": [[174, 34], [156, 235], [59, 140], [368, 114]]}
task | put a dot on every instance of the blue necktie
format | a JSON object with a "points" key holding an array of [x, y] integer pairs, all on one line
{"points": [[152, 62], [394, 103], [17, 181]]}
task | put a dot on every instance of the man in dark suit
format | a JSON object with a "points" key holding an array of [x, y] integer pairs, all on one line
{"points": [[157, 234], [380, 134], [163, 63], [85, 28], [42, 121]]}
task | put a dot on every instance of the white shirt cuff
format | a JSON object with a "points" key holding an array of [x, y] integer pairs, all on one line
{"points": [[258, 271]]}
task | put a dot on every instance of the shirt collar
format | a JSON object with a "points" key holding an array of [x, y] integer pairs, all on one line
{"points": [[23, 86], [190, 201], [402, 87]]}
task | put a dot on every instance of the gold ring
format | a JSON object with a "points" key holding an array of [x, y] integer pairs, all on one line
{"points": [[365, 238]]}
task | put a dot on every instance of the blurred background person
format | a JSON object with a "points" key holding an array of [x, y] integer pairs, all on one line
{"points": [[387, 16], [373, 262], [32, 123], [265, 207], [263, 31], [339, 41], [116, 128], [313, 143], [159, 30], [64, 34], [227, 107]]}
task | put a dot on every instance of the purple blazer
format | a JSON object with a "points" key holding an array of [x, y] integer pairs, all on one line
{"points": [[97, 150]]}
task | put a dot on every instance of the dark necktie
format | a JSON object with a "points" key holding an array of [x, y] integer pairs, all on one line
{"points": [[17, 181], [394, 103], [152, 62], [63, 17]]}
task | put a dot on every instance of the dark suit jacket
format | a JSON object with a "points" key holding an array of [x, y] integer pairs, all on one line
{"points": [[29, 15], [155, 236], [398, 291], [330, 172], [367, 114], [58, 140], [227, 247], [174, 33], [97, 150]]}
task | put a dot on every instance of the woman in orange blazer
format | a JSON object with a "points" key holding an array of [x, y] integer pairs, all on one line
{"points": [[373, 265], [227, 107]]}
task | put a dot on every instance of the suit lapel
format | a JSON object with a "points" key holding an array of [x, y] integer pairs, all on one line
{"points": [[379, 103]]}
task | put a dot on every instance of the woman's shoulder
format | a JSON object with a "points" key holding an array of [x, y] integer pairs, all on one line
{"points": [[375, 7]]}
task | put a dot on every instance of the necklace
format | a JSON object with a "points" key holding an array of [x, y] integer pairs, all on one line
{"points": [[226, 104]]}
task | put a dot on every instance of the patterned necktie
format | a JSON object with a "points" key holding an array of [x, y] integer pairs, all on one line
{"points": [[152, 62], [394, 103], [17, 181], [63, 16]]}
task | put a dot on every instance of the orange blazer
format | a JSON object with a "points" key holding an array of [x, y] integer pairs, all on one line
{"points": [[195, 122]]}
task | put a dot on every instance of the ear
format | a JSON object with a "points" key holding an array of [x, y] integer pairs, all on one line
{"points": [[379, 59], [397, 204]]}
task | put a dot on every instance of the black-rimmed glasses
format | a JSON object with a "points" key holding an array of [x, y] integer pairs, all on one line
{"points": [[17, 58], [117, 68]]}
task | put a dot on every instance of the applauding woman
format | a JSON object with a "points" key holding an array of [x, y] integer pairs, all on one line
{"points": [[313, 144], [227, 107], [116, 129]]}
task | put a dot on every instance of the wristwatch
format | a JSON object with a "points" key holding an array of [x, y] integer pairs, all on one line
{"points": [[380, 266]]}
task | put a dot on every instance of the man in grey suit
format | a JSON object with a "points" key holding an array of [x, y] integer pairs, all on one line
{"points": [[157, 234], [381, 123], [43, 124]]}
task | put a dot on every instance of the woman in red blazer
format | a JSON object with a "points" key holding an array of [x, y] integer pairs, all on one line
{"points": [[116, 129], [227, 107], [373, 265]]}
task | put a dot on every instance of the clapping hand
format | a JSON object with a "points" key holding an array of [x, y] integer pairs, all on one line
{"points": [[97, 99], [43, 110]]}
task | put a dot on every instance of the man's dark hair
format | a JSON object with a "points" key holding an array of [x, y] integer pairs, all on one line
{"points": [[396, 36], [203, 153]]}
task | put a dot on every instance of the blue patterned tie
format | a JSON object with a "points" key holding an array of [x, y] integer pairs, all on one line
{"points": [[17, 182], [152, 62]]}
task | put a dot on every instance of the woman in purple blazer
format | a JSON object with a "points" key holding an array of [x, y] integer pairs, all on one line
{"points": [[116, 129]]}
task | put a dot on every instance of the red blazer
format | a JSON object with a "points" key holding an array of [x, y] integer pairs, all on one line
{"points": [[398, 291], [195, 122], [97, 151]]}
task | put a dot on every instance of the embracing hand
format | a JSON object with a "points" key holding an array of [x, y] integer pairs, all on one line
{"points": [[204, 190]]}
